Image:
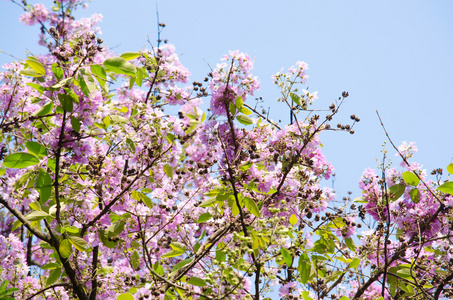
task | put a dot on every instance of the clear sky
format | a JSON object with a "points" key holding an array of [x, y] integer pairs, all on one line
{"points": [[391, 56]]}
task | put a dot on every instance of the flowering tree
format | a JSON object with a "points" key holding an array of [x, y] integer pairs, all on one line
{"points": [[105, 196]]}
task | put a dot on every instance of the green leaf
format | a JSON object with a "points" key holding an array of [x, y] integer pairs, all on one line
{"points": [[245, 111], [173, 253], [293, 219], [75, 124], [447, 187], [125, 296], [232, 108], [20, 160], [115, 229], [65, 248], [239, 102], [295, 98], [47, 108], [350, 243], [287, 256], [304, 268], [36, 65], [50, 266], [36, 216], [354, 264], [66, 102], [168, 170], [306, 296], [450, 168], [251, 206], [57, 71], [78, 242], [99, 73], [30, 72], [204, 217], [84, 86], [415, 195], [71, 229], [181, 264], [243, 119], [118, 119], [53, 276], [44, 185], [196, 281], [135, 260], [177, 246], [36, 86], [63, 83], [36, 148], [130, 55], [396, 191], [131, 144], [139, 77], [35, 205], [220, 256], [410, 178], [119, 65]]}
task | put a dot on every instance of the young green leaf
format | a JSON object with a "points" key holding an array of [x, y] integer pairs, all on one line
{"points": [[57, 71], [65, 248], [30, 72], [204, 217], [287, 256], [447, 187], [293, 219], [125, 296], [119, 65], [450, 168], [239, 102], [36, 65], [20, 160], [196, 281], [410, 178], [36, 216], [99, 73], [168, 170], [295, 98], [251, 206], [243, 119], [130, 55]]}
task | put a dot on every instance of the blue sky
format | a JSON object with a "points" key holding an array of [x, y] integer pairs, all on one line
{"points": [[391, 56]]}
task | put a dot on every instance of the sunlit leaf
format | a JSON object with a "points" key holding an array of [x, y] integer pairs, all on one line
{"points": [[125, 296], [447, 187], [287, 256], [243, 119], [130, 55], [410, 178], [65, 248], [204, 217], [119, 65], [20, 160]]}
